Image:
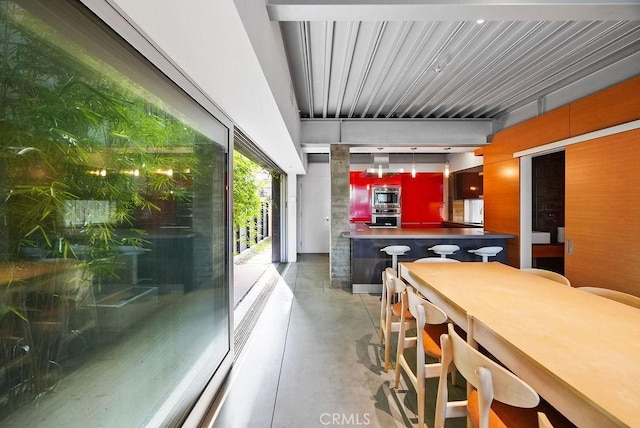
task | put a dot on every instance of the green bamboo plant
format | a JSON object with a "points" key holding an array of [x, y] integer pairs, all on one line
{"points": [[69, 133]]}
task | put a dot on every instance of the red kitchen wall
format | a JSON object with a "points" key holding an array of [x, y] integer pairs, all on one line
{"points": [[360, 198], [421, 197]]}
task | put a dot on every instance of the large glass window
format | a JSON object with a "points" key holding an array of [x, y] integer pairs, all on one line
{"points": [[114, 232]]}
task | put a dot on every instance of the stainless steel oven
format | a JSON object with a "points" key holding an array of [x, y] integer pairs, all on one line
{"points": [[385, 206], [389, 220], [385, 197]]}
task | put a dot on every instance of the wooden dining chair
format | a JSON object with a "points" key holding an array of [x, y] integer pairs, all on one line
{"points": [[497, 396], [392, 316], [618, 296], [554, 276], [431, 323]]}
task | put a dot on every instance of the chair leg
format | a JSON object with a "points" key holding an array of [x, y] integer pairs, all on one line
{"points": [[387, 345], [421, 402], [398, 371], [387, 357], [400, 355]]}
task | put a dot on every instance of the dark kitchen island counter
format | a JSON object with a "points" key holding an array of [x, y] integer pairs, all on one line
{"points": [[368, 262]]}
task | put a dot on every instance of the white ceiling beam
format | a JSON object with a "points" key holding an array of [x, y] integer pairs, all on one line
{"points": [[453, 10], [396, 132]]}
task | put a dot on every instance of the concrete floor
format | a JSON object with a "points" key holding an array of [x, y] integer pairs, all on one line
{"points": [[313, 360]]}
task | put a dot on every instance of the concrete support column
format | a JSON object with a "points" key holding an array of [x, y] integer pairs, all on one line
{"points": [[340, 253]]}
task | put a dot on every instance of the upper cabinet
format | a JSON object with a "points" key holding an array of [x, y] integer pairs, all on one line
{"points": [[468, 184]]}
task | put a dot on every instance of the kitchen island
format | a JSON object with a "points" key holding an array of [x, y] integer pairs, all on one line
{"points": [[368, 262]]}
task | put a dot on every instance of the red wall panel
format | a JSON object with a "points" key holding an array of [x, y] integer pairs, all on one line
{"points": [[421, 197]]}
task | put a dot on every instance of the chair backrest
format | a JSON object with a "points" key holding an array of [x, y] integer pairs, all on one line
{"points": [[424, 311], [389, 281], [618, 296], [435, 260], [554, 276], [490, 379]]}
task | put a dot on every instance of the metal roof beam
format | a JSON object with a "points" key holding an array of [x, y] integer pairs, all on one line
{"points": [[453, 10], [397, 132]]}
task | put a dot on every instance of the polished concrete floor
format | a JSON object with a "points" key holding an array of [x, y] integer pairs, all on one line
{"points": [[313, 359]]}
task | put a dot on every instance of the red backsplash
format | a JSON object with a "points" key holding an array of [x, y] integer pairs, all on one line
{"points": [[421, 197]]}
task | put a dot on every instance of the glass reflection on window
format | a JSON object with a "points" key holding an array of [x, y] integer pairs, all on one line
{"points": [[113, 239]]}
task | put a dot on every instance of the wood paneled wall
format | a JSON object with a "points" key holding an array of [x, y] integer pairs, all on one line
{"points": [[502, 203], [612, 106], [603, 212]]}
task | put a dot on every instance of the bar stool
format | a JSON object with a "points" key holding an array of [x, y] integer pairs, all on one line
{"points": [[394, 251], [444, 250], [486, 252]]}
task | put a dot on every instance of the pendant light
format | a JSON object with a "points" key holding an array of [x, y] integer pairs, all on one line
{"points": [[413, 162], [446, 164]]}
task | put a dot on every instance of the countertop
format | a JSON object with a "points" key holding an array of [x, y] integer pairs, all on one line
{"points": [[362, 231]]}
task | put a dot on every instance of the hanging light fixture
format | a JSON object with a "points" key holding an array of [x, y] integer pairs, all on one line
{"points": [[446, 164], [413, 162]]}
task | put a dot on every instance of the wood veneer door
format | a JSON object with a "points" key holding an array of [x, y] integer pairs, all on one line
{"points": [[602, 213]]}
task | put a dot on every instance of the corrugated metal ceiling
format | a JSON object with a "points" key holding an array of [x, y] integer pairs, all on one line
{"points": [[444, 69]]}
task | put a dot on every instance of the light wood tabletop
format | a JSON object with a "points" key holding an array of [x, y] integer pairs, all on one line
{"points": [[579, 351]]}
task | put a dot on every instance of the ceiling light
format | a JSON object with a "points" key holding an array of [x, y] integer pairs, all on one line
{"points": [[480, 21], [413, 162]]}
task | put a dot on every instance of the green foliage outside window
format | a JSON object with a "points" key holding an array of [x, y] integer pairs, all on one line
{"points": [[247, 187], [69, 132]]}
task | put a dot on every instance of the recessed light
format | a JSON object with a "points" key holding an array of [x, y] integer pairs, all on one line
{"points": [[480, 21]]}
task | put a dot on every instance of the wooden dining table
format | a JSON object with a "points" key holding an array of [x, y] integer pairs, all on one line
{"points": [[579, 351]]}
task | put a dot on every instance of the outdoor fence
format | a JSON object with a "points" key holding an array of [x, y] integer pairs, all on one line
{"points": [[257, 230]]}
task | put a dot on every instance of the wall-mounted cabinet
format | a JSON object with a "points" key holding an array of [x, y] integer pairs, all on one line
{"points": [[468, 184]]}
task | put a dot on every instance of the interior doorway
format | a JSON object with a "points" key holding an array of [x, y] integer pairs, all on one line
{"points": [[542, 211], [315, 209]]}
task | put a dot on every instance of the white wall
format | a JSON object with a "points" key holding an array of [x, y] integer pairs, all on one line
{"points": [[314, 201]]}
